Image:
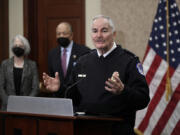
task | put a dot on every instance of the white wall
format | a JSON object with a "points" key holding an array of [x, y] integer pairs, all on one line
{"points": [[15, 18]]}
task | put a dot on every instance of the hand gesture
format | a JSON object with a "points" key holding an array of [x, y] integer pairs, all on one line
{"points": [[51, 84], [114, 84]]}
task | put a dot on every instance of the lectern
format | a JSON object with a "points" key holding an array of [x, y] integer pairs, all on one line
{"points": [[13, 123], [25, 123]]}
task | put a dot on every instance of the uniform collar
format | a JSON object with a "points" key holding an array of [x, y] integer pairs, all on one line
{"points": [[108, 52]]}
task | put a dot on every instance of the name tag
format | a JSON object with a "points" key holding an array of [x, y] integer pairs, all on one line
{"points": [[81, 75]]}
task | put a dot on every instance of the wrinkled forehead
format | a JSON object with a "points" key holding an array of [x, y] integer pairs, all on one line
{"points": [[100, 23]]}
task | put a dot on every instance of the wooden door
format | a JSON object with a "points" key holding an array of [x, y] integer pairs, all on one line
{"points": [[41, 19]]}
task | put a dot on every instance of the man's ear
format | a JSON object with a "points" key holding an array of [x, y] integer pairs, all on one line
{"points": [[114, 34], [71, 37]]}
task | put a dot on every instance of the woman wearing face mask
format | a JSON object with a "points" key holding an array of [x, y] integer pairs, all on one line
{"points": [[18, 74]]}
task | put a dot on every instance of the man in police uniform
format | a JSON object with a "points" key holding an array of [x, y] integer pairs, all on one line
{"points": [[110, 80]]}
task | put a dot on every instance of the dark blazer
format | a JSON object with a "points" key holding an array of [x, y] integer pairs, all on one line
{"points": [[54, 64], [29, 81]]}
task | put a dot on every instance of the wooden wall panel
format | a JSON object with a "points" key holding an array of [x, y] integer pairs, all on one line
{"points": [[47, 14], [30, 26], [20, 126], [4, 30]]}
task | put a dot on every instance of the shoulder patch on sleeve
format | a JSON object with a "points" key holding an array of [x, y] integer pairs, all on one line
{"points": [[140, 68]]}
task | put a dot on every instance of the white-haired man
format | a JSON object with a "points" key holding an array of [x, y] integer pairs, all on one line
{"points": [[113, 82]]}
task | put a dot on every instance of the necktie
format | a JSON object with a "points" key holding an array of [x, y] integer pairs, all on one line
{"points": [[63, 61]]}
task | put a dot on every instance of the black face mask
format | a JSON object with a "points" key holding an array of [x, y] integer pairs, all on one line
{"points": [[18, 51], [64, 42]]}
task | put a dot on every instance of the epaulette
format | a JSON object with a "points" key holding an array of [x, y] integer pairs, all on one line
{"points": [[129, 53], [83, 57], [93, 50]]}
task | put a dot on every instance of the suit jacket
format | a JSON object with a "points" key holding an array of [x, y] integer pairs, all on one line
{"points": [[54, 65], [29, 80]]}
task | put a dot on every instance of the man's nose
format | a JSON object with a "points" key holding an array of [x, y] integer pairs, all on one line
{"points": [[99, 34]]}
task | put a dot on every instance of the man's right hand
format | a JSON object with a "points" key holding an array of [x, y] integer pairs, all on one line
{"points": [[51, 84]]}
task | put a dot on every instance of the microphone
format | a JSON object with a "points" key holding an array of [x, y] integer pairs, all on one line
{"points": [[81, 76]]}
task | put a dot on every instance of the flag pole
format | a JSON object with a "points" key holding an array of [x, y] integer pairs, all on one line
{"points": [[168, 81]]}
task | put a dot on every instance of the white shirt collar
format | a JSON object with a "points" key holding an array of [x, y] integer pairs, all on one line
{"points": [[108, 52]]}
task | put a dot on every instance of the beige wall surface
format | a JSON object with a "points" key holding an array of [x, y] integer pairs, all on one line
{"points": [[133, 20], [15, 19], [93, 7]]}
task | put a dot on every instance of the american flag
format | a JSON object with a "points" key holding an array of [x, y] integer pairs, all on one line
{"points": [[162, 116]]}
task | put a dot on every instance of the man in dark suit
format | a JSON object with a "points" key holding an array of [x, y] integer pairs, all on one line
{"points": [[63, 58]]}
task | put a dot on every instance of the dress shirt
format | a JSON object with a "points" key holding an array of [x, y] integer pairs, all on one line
{"points": [[68, 52]]}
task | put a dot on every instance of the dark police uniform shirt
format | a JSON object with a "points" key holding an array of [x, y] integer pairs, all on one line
{"points": [[89, 94]]}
